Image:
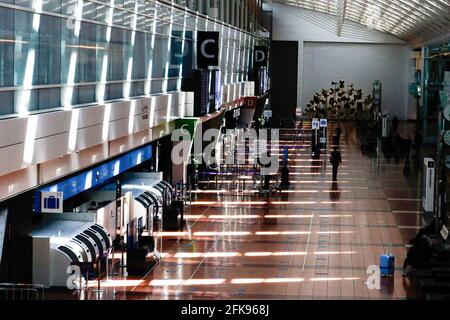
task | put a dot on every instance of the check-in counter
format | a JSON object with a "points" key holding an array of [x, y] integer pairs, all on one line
{"points": [[59, 244]]}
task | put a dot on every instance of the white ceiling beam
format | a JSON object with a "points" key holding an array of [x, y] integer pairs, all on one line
{"points": [[340, 17], [412, 20]]}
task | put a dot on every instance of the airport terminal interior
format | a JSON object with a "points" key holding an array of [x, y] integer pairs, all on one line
{"points": [[224, 149]]}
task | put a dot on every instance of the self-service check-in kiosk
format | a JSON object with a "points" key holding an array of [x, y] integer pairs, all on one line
{"points": [[63, 243], [151, 197]]}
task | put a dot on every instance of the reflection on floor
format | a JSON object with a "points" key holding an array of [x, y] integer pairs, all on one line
{"points": [[313, 241]]}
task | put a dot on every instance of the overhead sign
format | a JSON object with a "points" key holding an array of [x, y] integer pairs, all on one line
{"points": [[323, 123], [260, 57], [51, 202], [251, 102], [447, 137], [207, 49], [315, 124]]}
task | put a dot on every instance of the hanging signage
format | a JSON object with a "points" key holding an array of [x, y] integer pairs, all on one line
{"points": [[207, 49], [315, 124], [260, 56], [250, 102], [323, 123], [51, 202]]}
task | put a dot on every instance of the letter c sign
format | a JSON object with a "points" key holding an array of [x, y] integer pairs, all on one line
{"points": [[203, 49], [207, 49]]}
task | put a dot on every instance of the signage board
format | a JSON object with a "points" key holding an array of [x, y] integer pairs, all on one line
{"points": [[250, 102], [323, 123], [315, 124], [260, 56], [51, 202], [207, 49], [268, 114]]}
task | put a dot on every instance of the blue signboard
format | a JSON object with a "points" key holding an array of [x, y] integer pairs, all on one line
{"points": [[96, 176]]}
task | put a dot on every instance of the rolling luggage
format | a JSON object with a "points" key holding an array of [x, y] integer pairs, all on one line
{"points": [[387, 263]]}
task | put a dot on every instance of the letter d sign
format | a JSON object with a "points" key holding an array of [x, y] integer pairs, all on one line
{"points": [[260, 56], [207, 49]]}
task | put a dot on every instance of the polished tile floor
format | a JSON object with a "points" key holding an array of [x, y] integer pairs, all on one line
{"points": [[312, 241]]}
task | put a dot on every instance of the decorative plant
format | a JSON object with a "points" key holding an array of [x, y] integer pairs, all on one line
{"points": [[343, 102]]}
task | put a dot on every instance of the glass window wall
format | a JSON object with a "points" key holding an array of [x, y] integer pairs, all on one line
{"points": [[56, 53]]}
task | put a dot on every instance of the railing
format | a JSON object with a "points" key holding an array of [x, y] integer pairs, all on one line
{"points": [[21, 291]]}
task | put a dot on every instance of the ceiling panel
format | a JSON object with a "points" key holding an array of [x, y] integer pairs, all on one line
{"points": [[416, 21]]}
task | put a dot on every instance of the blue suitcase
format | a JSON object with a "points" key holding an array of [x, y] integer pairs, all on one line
{"points": [[387, 263]]}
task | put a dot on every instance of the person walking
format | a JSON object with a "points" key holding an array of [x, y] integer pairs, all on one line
{"points": [[336, 160]]}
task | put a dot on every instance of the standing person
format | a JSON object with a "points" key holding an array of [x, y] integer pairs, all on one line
{"points": [[336, 160]]}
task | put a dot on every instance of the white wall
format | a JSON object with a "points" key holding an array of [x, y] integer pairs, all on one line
{"points": [[360, 56], [359, 64]]}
